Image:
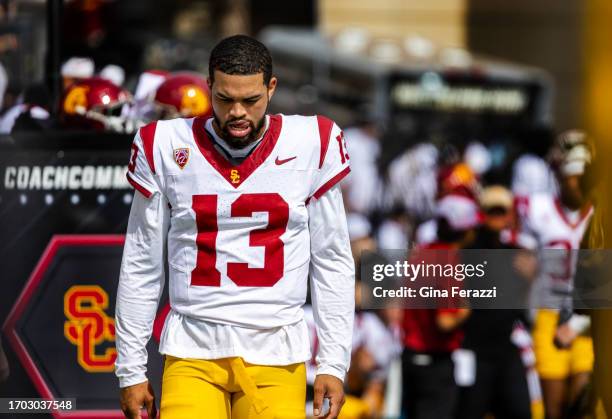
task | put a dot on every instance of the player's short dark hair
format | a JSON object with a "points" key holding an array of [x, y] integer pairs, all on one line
{"points": [[240, 55]]}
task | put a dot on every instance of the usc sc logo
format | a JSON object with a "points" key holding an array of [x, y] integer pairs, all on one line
{"points": [[76, 100], [235, 176], [88, 326]]}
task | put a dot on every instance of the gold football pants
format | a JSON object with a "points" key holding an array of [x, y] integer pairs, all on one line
{"points": [[558, 364], [230, 388]]}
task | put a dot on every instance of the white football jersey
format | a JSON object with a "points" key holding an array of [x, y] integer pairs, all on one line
{"points": [[554, 227], [238, 242], [532, 175]]}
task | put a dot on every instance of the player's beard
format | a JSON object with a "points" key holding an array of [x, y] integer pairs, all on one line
{"points": [[241, 142]]}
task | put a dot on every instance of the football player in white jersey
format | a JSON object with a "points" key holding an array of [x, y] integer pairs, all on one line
{"points": [[244, 207], [564, 355]]}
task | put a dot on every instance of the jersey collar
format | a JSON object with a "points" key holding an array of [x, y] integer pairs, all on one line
{"points": [[585, 212], [236, 175]]}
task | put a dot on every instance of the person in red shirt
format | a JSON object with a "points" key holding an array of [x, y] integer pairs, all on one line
{"points": [[431, 335]]}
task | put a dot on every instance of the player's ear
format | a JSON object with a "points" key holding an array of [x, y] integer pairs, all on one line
{"points": [[272, 87], [209, 82]]}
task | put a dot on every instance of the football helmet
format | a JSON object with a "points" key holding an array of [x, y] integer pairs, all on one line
{"points": [[457, 179], [573, 153], [183, 95], [95, 103]]}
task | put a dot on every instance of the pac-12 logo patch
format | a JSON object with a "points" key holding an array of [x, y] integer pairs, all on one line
{"points": [[181, 156]]}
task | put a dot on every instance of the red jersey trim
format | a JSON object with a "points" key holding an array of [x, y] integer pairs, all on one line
{"points": [[139, 187], [584, 213], [329, 184], [160, 320], [236, 175], [147, 133], [325, 128]]}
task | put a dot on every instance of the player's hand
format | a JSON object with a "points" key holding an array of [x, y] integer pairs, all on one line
{"points": [[328, 387], [525, 263], [364, 361], [134, 397], [564, 336]]}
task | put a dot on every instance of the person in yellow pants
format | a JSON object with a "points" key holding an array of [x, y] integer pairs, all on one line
{"points": [[556, 367], [233, 389]]}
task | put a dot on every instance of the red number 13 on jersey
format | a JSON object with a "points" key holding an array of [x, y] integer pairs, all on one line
{"points": [[206, 273]]}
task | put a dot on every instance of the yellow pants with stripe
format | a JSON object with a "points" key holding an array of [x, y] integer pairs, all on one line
{"points": [[230, 388]]}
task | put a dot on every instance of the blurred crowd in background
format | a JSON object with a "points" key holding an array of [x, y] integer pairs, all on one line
{"points": [[459, 362], [440, 186]]}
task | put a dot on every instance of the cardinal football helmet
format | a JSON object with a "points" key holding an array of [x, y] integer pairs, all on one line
{"points": [[95, 103], [183, 95]]}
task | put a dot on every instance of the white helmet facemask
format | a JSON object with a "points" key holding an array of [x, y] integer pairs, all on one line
{"points": [[575, 160]]}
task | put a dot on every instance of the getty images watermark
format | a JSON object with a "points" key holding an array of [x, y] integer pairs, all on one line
{"points": [[439, 277], [486, 278]]}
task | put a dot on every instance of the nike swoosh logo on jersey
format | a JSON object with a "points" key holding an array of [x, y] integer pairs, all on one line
{"points": [[283, 161]]}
